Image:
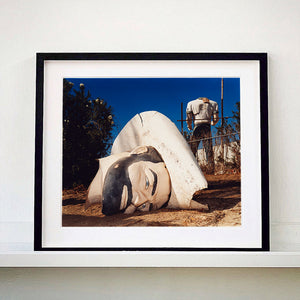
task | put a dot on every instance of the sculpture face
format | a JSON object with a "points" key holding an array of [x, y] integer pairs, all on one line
{"points": [[138, 182]]}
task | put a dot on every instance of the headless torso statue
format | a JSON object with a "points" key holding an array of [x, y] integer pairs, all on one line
{"points": [[203, 113]]}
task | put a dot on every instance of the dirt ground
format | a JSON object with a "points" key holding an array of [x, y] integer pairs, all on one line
{"points": [[223, 197]]}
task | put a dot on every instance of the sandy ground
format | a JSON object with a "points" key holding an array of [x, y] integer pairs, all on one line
{"points": [[223, 197]]}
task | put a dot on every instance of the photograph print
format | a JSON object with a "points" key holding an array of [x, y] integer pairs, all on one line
{"points": [[151, 152]]}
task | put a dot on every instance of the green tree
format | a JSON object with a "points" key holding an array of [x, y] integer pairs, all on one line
{"points": [[87, 126]]}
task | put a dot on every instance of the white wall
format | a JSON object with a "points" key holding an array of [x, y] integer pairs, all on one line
{"points": [[27, 27]]}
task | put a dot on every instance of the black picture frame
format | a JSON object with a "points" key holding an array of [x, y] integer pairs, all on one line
{"points": [[42, 58]]}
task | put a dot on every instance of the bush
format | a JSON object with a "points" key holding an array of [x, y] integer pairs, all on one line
{"points": [[87, 126]]}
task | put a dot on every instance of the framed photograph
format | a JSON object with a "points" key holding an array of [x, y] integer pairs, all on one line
{"points": [[151, 152]]}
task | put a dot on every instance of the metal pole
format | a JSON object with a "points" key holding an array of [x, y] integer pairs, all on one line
{"points": [[182, 118], [222, 118]]}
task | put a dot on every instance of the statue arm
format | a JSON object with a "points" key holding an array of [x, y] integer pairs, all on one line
{"points": [[215, 119], [190, 120]]}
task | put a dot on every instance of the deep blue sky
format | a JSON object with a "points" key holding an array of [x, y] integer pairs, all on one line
{"points": [[129, 96]]}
